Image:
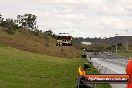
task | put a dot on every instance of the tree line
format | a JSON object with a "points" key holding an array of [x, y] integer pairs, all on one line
{"points": [[25, 22]]}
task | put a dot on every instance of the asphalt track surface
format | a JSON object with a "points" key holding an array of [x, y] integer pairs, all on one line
{"points": [[115, 64], [104, 55], [115, 59]]}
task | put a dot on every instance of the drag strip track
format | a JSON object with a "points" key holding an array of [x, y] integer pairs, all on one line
{"points": [[109, 64], [114, 67], [120, 62], [113, 59]]}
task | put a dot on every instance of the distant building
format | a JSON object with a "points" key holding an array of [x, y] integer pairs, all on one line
{"points": [[87, 43]]}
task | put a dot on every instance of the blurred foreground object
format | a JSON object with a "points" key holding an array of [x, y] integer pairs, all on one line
{"points": [[129, 71]]}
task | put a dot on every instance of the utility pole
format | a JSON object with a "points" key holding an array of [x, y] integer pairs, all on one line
{"points": [[116, 48], [116, 45], [126, 46], [126, 41]]}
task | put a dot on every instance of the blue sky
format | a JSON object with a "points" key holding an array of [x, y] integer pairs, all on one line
{"points": [[86, 18]]}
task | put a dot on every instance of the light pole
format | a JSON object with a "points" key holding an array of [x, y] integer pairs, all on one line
{"points": [[116, 46], [126, 41]]}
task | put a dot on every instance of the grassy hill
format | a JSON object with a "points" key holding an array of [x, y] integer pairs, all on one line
{"points": [[42, 44], [26, 69], [30, 58], [21, 69]]}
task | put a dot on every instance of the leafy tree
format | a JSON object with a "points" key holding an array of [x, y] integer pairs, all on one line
{"points": [[54, 36], [3, 24], [119, 44], [1, 19], [49, 32], [36, 31], [12, 27], [28, 21]]}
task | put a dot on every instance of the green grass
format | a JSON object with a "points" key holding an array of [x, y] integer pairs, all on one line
{"points": [[129, 54], [20, 69]]}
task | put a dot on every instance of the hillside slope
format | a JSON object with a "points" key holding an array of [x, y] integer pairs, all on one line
{"points": [[43, 44], [20, 69]]}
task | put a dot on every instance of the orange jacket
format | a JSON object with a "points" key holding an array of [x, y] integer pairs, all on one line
{"points": [[129, 71]]}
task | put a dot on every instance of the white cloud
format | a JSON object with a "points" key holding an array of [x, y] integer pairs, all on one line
{"points": [[83, 17]]}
